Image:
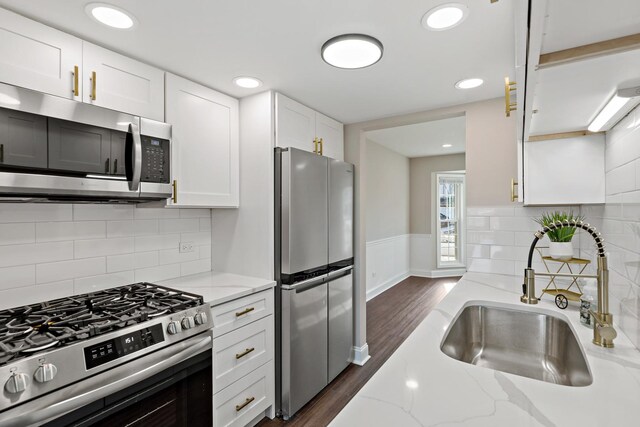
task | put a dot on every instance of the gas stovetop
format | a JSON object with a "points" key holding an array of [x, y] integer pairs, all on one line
{"points": [[31, 329]]}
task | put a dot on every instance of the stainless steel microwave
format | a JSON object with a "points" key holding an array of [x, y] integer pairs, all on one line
{"points": [[55, 150]]}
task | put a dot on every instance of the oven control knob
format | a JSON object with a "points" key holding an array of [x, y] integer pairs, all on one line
{"points": [[17, 383], [188, 322], [200, 318], [45, 372], [173, 327]]}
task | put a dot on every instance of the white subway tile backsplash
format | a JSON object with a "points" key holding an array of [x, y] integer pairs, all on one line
{"points": [[513, 223], [16, 277], [103, 247], [101, 212], [621, 179], [479, 251], [56, 271], [490, 237], [11, 234], [61, 231], [490, 211], [24, 212], [478, 223], [35, 253], [495, 266], [50, 251]]}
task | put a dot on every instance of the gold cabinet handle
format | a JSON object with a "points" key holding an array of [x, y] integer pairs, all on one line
{"points": [[245, 403], [244, 353], [245, 311], [93, 85], [509, 87], [106, 165], [321, 146], [174, 197], [76, 83], [315, 145], [514, 195], [115, 166]]}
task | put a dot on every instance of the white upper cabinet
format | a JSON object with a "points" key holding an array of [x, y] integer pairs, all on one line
{"points": [[332, 134], [38, 57], [301, 127], [205, 138], [120, 83]]}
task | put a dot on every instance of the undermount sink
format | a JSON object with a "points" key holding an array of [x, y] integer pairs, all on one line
{"points": [[525, 343]]}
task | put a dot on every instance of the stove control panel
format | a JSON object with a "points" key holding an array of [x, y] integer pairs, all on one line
{"points": [[121, 346]]}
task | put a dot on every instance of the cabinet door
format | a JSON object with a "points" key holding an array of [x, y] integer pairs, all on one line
{"points": [[205, 152], [79, 148], [295, 124], [23, 139], [118, 140], [332, 136], [121, 83], [38, 57]]}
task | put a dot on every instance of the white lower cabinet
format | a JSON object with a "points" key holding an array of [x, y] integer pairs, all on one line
{"points": [[243, 360]]}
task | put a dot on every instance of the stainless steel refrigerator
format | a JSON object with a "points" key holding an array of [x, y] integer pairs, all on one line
{"points": [[314, 263]]}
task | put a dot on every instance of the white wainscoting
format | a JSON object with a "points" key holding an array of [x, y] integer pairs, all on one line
{"points": [[387, 263]]}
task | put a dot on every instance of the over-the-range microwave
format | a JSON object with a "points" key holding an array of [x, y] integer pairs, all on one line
{"points": [[58, 150]]}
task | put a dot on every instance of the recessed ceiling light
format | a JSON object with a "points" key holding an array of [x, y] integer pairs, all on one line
{"points": [[445, 16], [469, 83], [446, 145], [412, 384], [111, 16], [352, 51], [247, 82]]}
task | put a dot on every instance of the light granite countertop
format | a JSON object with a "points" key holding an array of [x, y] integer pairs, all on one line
{"points": [[218, 288], [447, 392]]}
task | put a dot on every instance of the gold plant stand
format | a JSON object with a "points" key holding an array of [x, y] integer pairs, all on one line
{"points": [[563, 295]]}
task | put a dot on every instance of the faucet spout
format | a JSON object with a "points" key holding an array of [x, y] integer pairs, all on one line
{"points": [[603, 332]]}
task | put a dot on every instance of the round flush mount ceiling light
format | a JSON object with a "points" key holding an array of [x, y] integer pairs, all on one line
{"points": [[445, 16], [247, 82], [469, 83], [352, 51], [111, 16]]}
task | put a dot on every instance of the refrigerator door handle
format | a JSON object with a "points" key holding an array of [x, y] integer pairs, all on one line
{"points": [[345, 271], [305, 285]]}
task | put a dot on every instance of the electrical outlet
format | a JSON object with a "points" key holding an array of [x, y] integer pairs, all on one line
{"points": [[186, 247]]}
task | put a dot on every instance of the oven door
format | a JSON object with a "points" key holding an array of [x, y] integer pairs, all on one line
{"points": [[170, 387]]}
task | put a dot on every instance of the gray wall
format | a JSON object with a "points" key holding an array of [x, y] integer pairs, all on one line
{"points": [[388, 193], [421, 198]]}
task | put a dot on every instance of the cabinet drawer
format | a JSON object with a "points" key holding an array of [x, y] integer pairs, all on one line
{"points": [[245, 399], [233, 314], [239, 352]]}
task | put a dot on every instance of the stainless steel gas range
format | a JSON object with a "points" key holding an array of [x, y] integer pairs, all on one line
{"points": [[134, 355]]}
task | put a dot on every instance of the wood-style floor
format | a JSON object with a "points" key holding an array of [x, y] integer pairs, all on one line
{"points": [[391, 317]]}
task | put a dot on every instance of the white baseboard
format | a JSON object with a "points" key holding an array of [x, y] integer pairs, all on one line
{"points": [[372, 293], [450, 272], [361, 355]]}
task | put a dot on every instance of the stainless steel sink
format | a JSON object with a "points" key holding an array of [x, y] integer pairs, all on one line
{"points": [[530, 344]]}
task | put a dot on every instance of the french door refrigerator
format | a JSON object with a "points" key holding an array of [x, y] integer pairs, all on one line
{"points": [[314, 262]]}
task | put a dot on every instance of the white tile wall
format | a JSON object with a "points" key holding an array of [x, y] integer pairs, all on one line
{"points": [[619, 222], [50, 251]]}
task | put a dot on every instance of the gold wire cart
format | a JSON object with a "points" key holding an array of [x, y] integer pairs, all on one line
{"points": [[563, 295]]}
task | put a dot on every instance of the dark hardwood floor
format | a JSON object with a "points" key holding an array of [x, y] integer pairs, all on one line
{"points": [[391, 317]]}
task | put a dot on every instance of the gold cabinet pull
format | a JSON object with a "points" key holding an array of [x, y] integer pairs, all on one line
{"points": [[321, 146], [315, 145], [174, 197], [115, 166], [76, 83], [244, 353], [93, 85], [509, 87], [245, 311], [514, 195], [245, 403], [106, 165]]}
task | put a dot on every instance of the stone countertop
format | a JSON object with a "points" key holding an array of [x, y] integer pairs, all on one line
{"points": [[218, 288], [447, 392]]}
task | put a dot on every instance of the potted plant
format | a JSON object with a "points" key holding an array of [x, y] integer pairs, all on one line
{"points": [[560, 247]]}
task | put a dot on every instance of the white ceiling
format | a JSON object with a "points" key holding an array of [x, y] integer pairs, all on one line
{"points": [[423, 139], [279, 41], [580, 22]]}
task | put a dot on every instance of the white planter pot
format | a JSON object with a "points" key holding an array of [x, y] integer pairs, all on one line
{"points": [[562, 251]]}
